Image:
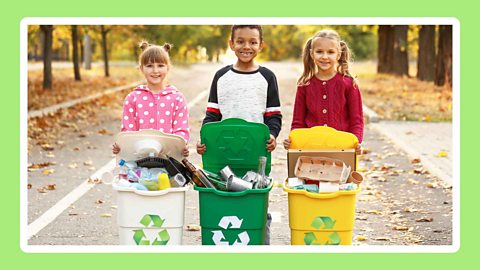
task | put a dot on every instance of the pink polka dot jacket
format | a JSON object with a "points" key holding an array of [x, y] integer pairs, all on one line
{"points": [[166, 111]]}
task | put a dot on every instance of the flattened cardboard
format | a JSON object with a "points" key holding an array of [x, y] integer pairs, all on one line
{"points": [[348, 156]]}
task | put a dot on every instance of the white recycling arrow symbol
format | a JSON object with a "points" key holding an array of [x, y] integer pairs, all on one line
{"points": [[235, 223]]}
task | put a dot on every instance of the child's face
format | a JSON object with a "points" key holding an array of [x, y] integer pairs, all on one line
{"points": [[154, 73], [325, 54], [246, 44]]}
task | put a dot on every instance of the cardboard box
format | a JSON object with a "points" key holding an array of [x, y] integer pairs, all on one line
{"points": [[348, 156]]}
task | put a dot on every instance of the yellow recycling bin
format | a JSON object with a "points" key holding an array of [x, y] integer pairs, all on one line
{"points": [[321, 218]]}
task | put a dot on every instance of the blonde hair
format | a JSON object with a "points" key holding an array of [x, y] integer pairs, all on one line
{"points": [[154, 53], [309, 67]]}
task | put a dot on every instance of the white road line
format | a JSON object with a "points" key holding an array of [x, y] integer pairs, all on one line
{"points": [[52, 213]]}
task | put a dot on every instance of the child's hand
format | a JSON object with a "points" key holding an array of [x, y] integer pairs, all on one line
{"points": [[358, 149], [271, 143], [185, 151], [115, 148], [201, 148], [286, 143]]}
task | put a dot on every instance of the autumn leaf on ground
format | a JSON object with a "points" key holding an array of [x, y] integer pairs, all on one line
{"points": [[425, 219], [42, 190], [104, 131], [106, 215], [36, 166], [73, 165], [193, 227], [88, 163], [48, 172], [47, 147], [99, 201], [361, 238], [415, 161], [29, 186], [442, 154], [51, 186], [432, 185], [410, 210], [412, 181], [382, 238], [400, 228], [95, 181], [375, 212]]}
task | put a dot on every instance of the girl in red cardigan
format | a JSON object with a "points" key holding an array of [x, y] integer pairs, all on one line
{"points": [[327, 95]]}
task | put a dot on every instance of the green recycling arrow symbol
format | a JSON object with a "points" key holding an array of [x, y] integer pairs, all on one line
{"points": [[322, 222], [326, 221], [334, 239], [151, 221]]}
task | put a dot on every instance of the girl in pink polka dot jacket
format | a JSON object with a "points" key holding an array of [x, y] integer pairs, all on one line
{"points": [[156, 105]]}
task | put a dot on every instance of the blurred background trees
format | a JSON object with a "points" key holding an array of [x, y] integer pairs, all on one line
{"points": [[392, 47]]}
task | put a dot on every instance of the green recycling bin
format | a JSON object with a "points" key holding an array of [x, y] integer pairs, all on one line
{"points": [[234, 218]]}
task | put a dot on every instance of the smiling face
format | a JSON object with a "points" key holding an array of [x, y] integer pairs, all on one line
{"points": [[155, 74], [246, 44], [325, 54]]}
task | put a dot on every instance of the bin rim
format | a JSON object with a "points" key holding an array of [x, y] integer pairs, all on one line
{"points": [[234, 194], [326, 195], [149, 193]]}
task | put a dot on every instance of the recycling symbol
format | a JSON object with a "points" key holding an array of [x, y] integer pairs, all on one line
{"points": [[318, 223], [151, 221], [230, 222]]}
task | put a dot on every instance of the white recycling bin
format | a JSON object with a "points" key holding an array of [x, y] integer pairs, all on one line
{"points": [[150, 217]]}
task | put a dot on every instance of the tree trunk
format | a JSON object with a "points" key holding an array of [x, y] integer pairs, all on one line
{"points": [[400, 50], [47, 55], [76, 67], [87, 52], [426, 53], [104, 32], [443, 65], [385, 48]]}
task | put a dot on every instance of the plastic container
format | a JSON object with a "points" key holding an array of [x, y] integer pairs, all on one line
{"points": [[321, 218], [234, 218], [150, 217]]}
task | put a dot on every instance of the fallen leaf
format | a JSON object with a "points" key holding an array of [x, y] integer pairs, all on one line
{"points": [[51, 187], [412, 181], [400, 228], [360, 238], [47, 147], [382, 238], [48, 172], [104, 131], [193, 227], [95, 181], [29, 186], [415, 161], [106, 215], [42, 190], [99, 201], [442, 154], [432, 185], [410, 210], [428, 219], [88, 163], [73, 165], [76, 149], [40, 165], [375, 212]]}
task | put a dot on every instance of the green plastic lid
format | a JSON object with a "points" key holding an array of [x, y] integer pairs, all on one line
{"points": [[236, 143]]}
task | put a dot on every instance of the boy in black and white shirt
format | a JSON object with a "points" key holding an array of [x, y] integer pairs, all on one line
{"points": [[245, 90]]}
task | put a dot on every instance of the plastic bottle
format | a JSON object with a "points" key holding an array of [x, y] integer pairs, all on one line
{"points": [[163, 181]]}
